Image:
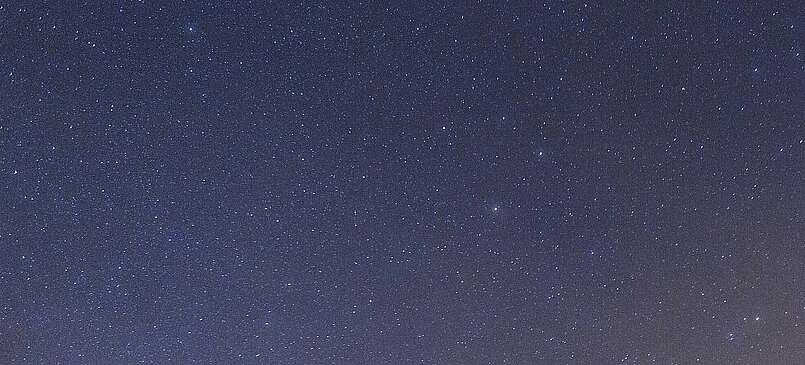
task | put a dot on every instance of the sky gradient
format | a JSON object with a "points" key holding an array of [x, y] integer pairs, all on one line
{"points": [[402, 183]]}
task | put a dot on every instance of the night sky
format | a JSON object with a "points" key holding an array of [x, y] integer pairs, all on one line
{"points": [[402, 183]]}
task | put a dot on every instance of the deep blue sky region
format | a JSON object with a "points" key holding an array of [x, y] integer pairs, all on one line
{"points": [[402, 182]]}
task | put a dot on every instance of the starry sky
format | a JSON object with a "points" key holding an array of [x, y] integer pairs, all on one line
{"points": [[460, 182]]}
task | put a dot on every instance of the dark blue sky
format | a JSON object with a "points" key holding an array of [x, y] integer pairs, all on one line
{"points": [[402, 183]]}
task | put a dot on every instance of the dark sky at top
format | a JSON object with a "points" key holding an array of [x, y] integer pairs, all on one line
{"points": [[402, 183]]}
